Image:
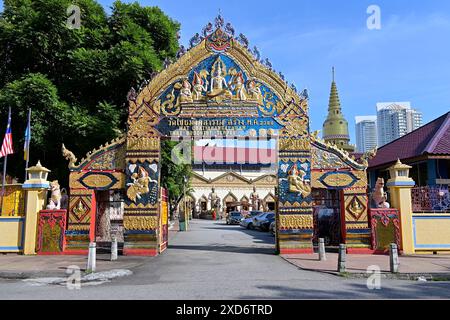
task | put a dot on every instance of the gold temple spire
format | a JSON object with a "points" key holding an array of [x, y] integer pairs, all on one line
{"points": [[335, 127]]}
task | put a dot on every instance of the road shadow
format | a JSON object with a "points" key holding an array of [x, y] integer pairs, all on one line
{"points": [[231, 249], [262, 237], [412, 290]]}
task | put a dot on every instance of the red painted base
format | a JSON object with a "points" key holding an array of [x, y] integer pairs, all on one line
{"points": [[297, 251], [140, 252], [76, 252], [50, 253], [360, 251]]}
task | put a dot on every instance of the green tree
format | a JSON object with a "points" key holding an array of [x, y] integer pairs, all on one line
{"points": [[75, 80], [174, 175]]}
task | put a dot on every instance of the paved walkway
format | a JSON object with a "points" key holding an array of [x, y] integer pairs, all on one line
{"points": [[19, 266], [438, 265]]}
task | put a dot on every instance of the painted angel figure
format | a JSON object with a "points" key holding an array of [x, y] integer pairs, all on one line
{"points": [[185, 92], [140, 184], [237, 85], [199, 84], [298, 183], [253, 92]]}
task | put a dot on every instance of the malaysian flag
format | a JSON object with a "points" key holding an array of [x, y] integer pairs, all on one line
{"points": [[7, 146]]}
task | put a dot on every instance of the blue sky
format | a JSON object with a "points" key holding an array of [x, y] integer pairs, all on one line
{"points": [[407, 60]]}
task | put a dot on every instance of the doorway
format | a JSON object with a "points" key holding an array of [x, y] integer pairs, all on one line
{"points": [[327, 217], [109, 218]]}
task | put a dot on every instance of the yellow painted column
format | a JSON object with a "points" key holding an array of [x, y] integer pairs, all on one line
{"points": [[35, 202], [36, 188], [400, 186]]}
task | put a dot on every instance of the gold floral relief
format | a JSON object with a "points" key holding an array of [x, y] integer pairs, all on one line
{"points": [[304, 221], [296, 127], [140, 222], [143, 143], [294, 144], [142, 127]]}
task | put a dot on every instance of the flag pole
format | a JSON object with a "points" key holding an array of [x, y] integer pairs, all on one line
{"points": [[27, 149], [4, 171], [3, 181]]}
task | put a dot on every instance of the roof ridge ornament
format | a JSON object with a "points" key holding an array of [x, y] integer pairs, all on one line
{"points": [[219, 21]]}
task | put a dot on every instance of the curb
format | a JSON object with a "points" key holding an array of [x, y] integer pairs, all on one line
{"points": [[400, 276], [429, 276], [14, 275], [21, 275]]}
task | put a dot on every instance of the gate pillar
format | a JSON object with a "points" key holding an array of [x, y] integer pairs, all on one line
{"points": [[295, 214], [142, 169]]}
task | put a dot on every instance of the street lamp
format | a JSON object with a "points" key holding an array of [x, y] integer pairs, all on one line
{"points": [[186, 215]]}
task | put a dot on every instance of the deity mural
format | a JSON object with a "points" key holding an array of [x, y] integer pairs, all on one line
{"points": [[216, 81], [298, 183], [139, 185]]}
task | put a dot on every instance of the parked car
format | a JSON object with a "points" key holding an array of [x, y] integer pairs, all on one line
{"points": [[265, 223], [252, 213], [247, 222], [263, 220], [234, 217], [272, 227]]}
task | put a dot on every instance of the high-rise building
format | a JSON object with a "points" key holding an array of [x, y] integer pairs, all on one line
{"points": [[366, 133], [395, 119], [335, 127]]}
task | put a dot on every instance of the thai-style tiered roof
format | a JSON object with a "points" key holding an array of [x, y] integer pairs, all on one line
{"points": [[433, 139]]}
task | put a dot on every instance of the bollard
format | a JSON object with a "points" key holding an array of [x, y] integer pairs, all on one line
{"points": [[114, 249], [322, 254], [393, 258], [342, 257], [91, 257]]}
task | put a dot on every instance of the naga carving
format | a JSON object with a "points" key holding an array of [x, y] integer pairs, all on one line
{"points": [[69, 156]]}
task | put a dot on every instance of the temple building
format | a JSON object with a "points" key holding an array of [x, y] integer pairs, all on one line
{"points": [[237, 190], [335, 127]]}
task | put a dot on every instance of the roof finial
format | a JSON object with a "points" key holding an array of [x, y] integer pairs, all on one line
{"points": [[219, 20], [333, 73]]}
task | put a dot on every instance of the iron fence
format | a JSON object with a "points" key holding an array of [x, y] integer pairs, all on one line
{"points": [[431, 199]]}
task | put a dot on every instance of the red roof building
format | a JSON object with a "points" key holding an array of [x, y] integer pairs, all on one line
{"points": [[426, 149]]}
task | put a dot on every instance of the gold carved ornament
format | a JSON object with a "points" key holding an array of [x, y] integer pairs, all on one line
{"points": [[296, 221], [140, 222], [102, 151], [356, 209], [294, 144], [296, 127]]}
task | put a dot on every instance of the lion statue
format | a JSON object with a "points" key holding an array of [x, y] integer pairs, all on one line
{"points": [[55, 199], [379, 196]]}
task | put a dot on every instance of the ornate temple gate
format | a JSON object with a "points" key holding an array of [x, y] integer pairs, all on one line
{"points": [[221, 88], [100, 173], [334, 170]]}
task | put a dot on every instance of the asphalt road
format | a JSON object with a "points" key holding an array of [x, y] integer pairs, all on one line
{"points": [[217, 261]]}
